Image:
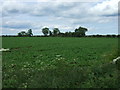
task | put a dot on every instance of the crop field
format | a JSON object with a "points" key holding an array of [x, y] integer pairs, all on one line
{"points": [[59, 62]]}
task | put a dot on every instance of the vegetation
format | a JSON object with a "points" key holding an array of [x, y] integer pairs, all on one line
{"points": [[23, 33], [64, 35], [29, 33], [58, 62], [79, 32], [56, 31], [45, 31]]}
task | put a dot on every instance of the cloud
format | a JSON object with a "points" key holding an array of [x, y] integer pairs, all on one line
{"points": [[61, 9], [106, 8], [12, 8], [22, 15], [57, 9], [95, 19], [16, 24]]}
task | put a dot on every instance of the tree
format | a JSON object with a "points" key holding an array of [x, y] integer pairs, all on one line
{"points": [[80, 31], [66, 34], [22, 33], [19, 34], [45, 31], [29, 33], [50, 33], [56, 31]]}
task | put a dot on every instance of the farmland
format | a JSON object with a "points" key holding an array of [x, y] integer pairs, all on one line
{"points": [[59, 62]]}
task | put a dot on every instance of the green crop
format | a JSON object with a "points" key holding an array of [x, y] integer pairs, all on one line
{"points": [[58, 62]]}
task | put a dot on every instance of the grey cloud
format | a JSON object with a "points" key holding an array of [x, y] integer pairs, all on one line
{"points": [[55, 14], [16, 25], [111, 15], [63, 9], [67, 10]]}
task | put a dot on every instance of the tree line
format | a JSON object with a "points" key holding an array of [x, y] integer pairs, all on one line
{"points": [[112, 35], [78, 32], [28, 33]]}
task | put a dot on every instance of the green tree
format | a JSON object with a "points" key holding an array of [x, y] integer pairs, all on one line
{"points": [[29, 33], [80, 31], [22, 33], [19, 34], [50, 33], [45, 31], [56, 31]]}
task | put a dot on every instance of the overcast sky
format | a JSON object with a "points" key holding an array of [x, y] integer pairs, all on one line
{"points": [[99, 16]]}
